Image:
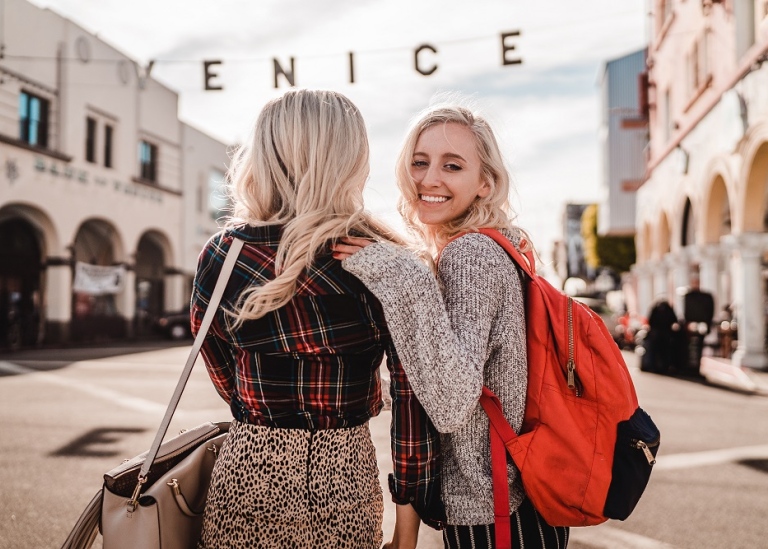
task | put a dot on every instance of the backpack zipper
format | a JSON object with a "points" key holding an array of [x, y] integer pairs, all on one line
{"points": [[646, 448], [573, 379]]}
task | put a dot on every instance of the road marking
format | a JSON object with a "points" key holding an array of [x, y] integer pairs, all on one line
{"points": [[710, 457], [133, 403], [607, 537]]}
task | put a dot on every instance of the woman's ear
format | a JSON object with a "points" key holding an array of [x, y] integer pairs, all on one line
{"points": [[484, 190]]}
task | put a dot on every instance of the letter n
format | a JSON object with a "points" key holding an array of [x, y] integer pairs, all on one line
{"points": [[290, 76]]}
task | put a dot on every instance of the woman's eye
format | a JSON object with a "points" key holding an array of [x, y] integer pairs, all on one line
{"points": [[453, 167], [418, 164]]}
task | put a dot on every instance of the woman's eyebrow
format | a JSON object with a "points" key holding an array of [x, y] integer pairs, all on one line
{"points": [[453, 155], [444, 155]]}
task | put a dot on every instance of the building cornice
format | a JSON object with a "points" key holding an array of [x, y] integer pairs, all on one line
{"points": [[39, 150], [28, 81], [755, 55], [153, 185]]}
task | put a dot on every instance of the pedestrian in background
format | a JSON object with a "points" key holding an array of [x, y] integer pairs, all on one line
{"points": [[296, 346], [453, 179], [665, 343]]}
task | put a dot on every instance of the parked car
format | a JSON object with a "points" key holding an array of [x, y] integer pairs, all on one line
{"points": [[174, 325]]}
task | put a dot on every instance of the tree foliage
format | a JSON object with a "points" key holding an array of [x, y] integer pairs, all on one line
{"points": [[614, 252], [589, 235]]}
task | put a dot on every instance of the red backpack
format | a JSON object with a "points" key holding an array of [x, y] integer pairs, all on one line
{"points": [[585, 450]]}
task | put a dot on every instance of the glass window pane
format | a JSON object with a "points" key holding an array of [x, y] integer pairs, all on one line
{"points": [[218, 202]]}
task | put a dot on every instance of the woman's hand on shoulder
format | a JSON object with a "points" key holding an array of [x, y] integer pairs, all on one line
{"points": [[349, 246]]}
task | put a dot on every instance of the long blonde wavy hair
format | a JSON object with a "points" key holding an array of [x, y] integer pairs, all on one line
{"points": [[492, 211], [304, 168]]}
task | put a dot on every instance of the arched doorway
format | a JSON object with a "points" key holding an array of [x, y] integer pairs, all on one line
{"points": [[688, 230], [97, 280], [151, 254], [20, 283], [718, 216]]}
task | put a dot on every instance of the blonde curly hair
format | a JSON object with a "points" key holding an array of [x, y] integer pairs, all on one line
{"points": [[304, 167], [492, 211]]}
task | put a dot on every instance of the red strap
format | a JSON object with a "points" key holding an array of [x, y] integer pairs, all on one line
{"points": [[501, 433], [502, 519], [490, 403]]}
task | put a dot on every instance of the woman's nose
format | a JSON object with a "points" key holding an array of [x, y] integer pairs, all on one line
{"points": [[432, 177]]}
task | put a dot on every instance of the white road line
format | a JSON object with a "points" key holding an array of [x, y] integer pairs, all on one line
{"points": [[607, 537], [710, 457], [133, 403]]}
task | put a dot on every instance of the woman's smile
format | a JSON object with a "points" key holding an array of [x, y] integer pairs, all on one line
{"points": [[432, 199]]}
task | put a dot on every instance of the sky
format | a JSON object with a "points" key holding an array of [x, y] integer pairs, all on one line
{"points": [[545, 110]]}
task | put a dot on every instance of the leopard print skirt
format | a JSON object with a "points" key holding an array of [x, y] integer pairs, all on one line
{"points": [[293, 488]]}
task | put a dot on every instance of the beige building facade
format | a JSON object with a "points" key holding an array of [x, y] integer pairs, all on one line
{"points": [[702, 213], [104, 193]]}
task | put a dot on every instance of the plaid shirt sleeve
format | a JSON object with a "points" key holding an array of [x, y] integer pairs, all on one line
{"points": [[415, 449], [216, 352]]}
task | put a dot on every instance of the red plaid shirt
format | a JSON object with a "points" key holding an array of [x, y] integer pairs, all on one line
{"points": [[313, 363]]}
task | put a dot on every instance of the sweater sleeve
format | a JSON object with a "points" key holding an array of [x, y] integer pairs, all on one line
{"points": [[444, 363]]}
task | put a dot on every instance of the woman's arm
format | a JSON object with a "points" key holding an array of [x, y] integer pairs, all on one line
{"points": [[444, 365], [406, 533], [414, 482]]}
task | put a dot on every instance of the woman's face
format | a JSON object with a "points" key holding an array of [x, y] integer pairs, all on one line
{"points": [[447, 172]]}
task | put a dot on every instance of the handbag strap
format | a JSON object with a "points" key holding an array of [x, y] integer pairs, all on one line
{"points": [[210, 312]]}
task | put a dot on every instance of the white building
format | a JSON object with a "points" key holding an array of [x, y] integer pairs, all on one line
{"points": [[96, 169], [703, 211], [623, 139]]}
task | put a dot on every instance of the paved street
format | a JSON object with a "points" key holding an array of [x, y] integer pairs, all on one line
{"points": [[68, 416]]}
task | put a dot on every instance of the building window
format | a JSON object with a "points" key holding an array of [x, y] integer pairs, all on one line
{"points": [[108, 131], [218, 203], [33, 119], [148, 161], [90, 139]]}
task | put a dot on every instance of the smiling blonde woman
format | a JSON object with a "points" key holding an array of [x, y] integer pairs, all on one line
{"points": [[464, 330]]}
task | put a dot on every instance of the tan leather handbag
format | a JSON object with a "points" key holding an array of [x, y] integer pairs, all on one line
{"points": [[156, 500]]}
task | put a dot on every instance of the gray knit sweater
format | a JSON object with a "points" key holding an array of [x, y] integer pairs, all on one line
{"points": [[451, 344]]}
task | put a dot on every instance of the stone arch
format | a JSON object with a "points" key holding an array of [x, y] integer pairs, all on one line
{"points": [[687, 224], [644, 243], [159, 240], [749, 207], [154, 257], [754, 204], [717, 219], [662, 242], [95, 315], [98, 241], [26, 235], [45, 230]]}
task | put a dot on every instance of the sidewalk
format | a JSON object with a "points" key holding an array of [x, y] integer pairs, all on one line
{"points": [[723, 372]]}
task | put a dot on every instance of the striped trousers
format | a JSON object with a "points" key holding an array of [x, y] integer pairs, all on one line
{"points": [[529, 531]]}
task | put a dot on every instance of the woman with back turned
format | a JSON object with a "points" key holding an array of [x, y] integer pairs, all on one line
{"points": [[296, 346]]}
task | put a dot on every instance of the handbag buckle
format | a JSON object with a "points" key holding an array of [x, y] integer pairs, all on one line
{"points": [[134, 501]]}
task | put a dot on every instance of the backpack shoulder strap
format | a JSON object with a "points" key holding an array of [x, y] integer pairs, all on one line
{"points": [[524, 260]]}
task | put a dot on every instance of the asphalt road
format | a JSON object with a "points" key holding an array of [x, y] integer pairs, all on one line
{"points": [[67, 416]]}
